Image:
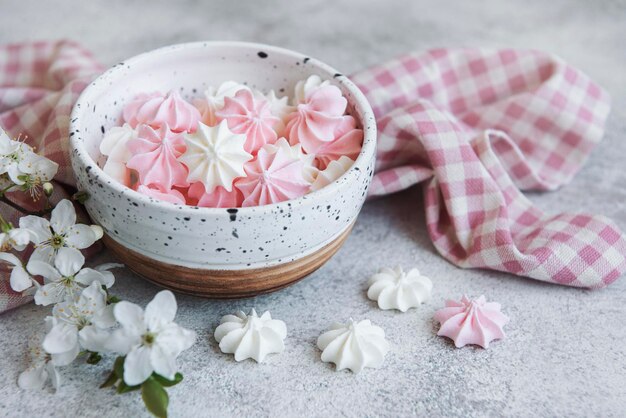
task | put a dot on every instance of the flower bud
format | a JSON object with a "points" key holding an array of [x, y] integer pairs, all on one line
{"points": [[97, 229], [48, 188], [81, 197]]}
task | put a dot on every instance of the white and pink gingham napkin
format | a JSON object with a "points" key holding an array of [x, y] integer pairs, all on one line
{"points": [[475, 125]]}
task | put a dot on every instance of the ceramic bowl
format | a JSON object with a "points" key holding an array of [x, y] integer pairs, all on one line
{"points": [[216, 252]]}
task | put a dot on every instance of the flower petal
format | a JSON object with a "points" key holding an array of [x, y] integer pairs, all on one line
{"points": [[10, 258], [161, 310], [163, 362], [55, 377], [63, 216], [63, 359], [20, 279], [87, 276], [121, 341], [44, 253], [33, 377], [40, 268], [39, 228], [20, 238], [175, 339], [80, 236], [49, 294], [93, 338], [104, 317], [68, 261], [137, 366], [62, 338], [130, 316]]}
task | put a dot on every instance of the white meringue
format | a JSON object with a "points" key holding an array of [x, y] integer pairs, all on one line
{"points": [[309, 171], [304, 87], [113, 145], [251, 336], [214, 100], [114, 142], [332, 172], [215, 156], [395, 289], [354, 345], [279, 107]]}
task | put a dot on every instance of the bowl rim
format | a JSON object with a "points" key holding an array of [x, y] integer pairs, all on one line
{"points": [[368, 123]]}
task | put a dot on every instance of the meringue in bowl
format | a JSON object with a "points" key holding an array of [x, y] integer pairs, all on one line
{"points": [[216, 252]]}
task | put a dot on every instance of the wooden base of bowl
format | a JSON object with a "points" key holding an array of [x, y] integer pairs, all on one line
{"points": [[225, 284]]}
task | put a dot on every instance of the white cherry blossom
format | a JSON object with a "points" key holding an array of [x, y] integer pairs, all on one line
{"points": [[16, 238], [61, 231], [80, 323], [150, 340], [41, 368], [66, 278]]}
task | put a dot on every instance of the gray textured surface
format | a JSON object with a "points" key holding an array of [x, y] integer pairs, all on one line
{"points": [[565, 354]]}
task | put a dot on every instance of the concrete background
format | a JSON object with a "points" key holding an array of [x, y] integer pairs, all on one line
{"points": [[565, 353]]}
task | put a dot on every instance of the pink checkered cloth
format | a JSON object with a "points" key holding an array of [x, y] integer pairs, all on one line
{"points": [[39, 83], [475, 125]]}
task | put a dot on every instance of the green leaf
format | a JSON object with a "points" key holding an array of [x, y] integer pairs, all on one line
{"points": [[94, 358], [166, 382], [110, 380], [155, 397], [118, 367], [122, 387]]}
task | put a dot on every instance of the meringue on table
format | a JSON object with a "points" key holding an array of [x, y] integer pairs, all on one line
{"points": [[251, 336], [471, 321], [395, 289], [354, 345]]}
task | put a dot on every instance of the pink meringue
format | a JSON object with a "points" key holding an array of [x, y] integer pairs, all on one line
{"points": [[251, 117], [157, 192], [155, 154], [347, 143], [214, 100], [273, 176], [471, 321], [219, 198], [317, 119], [156, 109]]}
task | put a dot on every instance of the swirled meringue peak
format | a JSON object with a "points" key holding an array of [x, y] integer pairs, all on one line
{"points": [[471, 321], [114, 145], [348, 141], [309, 170], [157, 109], [214, 100], [332, 172], [354, 345], [275, 175], [218, 198], [215, 156], [251, 336], [317, 119], [395, 289], [305, 87], [157, 192], [280, 107], [250, 117], [155, 153]]}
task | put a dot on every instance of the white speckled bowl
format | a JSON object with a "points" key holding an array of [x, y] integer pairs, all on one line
{"points": [[210, 251]]}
